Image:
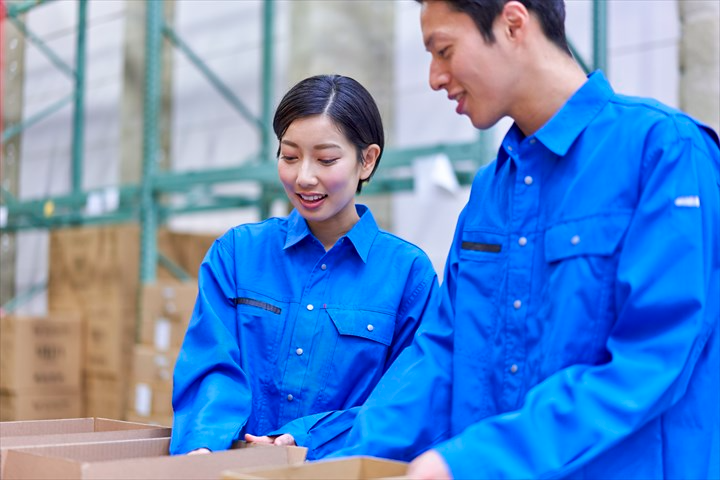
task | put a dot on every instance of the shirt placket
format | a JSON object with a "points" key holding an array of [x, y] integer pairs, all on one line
{"points": [[300, 350], [522, 243]]}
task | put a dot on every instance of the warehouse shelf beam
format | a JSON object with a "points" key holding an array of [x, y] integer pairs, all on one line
{"points": [[600, 35], [176, 270], [78, 131], [73, 207], [15, 9], [151, 141], [42, 46], [214, 80], [13, 130]]}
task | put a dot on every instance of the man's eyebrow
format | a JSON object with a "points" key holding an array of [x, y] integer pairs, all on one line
{"points": [[429, 41]]}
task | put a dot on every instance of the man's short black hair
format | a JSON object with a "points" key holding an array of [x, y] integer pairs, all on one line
{"points": [[550, 13]]}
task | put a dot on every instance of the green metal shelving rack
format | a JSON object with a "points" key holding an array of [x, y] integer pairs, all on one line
{"points": [[143, 202]]}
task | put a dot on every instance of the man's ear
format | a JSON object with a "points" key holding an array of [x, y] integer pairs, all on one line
{"points": [[369, 155], [515, 18]]}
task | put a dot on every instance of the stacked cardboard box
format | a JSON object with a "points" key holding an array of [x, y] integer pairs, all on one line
{"points": [[166, 310], [40, 367], [94, 271]]}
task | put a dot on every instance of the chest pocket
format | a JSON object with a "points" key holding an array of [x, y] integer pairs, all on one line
{"points": [[597, 235], [370, 325], [359, 340], [579, 279], [261, 321]]}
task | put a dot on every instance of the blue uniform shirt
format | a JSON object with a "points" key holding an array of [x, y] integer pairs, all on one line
{"points": [[283, 329], [578, 332]]}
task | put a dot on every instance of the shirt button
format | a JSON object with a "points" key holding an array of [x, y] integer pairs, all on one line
{"points": [[528, 180], [323, 267], [513, 369], [290, 398], [522, 241], [517, 304], [370, 328], [310, 306], [575, 239], [509, 148], [532, 141], [299, 351]]}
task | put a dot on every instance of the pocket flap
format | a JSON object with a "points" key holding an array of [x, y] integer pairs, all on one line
{"points": [[596, 235], [376, 326]]}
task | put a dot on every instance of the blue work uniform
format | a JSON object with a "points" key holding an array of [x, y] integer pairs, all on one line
{"points": [[578, 330], [283, 329]]}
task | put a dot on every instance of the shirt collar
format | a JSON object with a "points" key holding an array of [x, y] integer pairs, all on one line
{"points": [[561, 131], [362, 235]]}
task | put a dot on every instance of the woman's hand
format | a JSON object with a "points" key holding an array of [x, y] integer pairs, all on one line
{"points": [[429, 465], [199, 451], [284, 440]]}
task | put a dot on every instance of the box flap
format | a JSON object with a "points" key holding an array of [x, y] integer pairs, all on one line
{"points": [[43, 427], [350, 468]]}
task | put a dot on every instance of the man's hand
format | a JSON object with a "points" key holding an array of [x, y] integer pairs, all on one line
{"points": [[429, 466], [284, 440], [199, 451]]}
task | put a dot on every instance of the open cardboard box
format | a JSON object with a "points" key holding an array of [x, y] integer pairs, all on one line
{"points": [[141, 459], [74, 430], [350, 468]]}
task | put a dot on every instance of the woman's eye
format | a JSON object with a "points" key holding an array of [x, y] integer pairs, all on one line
{"points": [[328, 161], [287, 158]]}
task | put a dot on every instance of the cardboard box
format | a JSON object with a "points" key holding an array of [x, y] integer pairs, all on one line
{"points": [[75, 430], [86, 258], [105, 395], [152, 365], [152, 399], [40, 353], [350, 468], [137, 459], [40, 406], [166, 311]]}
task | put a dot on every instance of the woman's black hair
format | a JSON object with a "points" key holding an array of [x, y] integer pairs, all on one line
{"points": [[347, 103], [550, 13]]}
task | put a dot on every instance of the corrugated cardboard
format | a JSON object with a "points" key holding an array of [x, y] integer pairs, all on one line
{"points": [[40, 354], [75, 430], [350, 468], [137, 459]]}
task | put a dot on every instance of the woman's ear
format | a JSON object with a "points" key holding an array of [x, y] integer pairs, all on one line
{"points": [[370, 155]]}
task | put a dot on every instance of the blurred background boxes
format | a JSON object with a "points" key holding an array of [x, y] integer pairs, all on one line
{"points": [[40, 374], [94, 274]]}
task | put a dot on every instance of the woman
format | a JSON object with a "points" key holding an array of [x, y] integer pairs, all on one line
{"points": [[297, 318]]}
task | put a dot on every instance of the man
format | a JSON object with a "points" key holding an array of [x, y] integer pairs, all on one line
{"points": [[578, 331]]}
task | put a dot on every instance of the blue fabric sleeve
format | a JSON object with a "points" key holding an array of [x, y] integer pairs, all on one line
{"points": [[211, 393], [662, 326]]}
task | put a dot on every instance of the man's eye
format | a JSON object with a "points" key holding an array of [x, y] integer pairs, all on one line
{"points": [[443, 52]]}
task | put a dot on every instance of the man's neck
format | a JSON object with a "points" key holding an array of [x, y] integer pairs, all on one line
{"points": [[551, 81]]}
